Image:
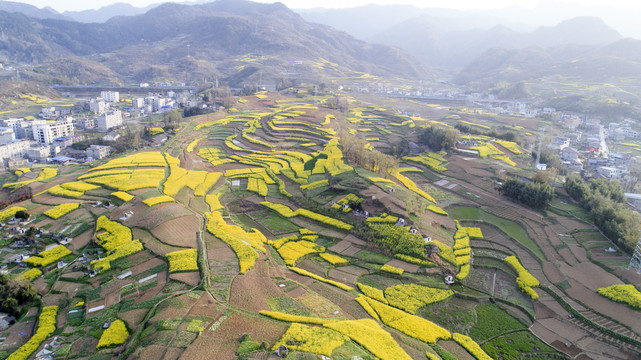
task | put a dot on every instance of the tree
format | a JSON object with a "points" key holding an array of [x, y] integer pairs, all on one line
{"points": [[438, 138], [21, 214], [535, 195]]}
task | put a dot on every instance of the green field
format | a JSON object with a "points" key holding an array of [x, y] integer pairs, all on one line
{"points": [[510, 228]]}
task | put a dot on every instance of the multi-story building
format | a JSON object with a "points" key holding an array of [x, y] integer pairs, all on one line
{"points": [[138, 103], [45, 134], [110, 96], [39, 153], [97, 106], [98, 151], [15, 149], [6, 135], [108, 120]]}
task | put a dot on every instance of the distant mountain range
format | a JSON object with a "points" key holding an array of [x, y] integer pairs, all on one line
{"points": [[195, 42], [442, 44]]}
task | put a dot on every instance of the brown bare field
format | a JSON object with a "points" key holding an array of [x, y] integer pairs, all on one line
{"points": [[51, 300], [173, 353], [413, 268], [149, 217], [180, 231], [81, 240], [112, 298], [456, 350], [66, 287], [152, 352], [133, 317], [568, 256], [14, 338], [206, 306], [616, 311], [590, 275], [251, 290], [151, 243], [224, 341], [190, 278], [552, 272]]}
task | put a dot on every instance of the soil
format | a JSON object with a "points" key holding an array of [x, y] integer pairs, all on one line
{"points": [[181, 231], [190, 278], [251, 291]]}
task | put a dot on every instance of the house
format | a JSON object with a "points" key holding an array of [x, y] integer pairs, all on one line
{"points": [[610, 172], [98, 151], [111, 136], [569, 154], [62, 160]]}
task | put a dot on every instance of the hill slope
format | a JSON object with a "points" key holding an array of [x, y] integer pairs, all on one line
{"points": [[213, 34]]}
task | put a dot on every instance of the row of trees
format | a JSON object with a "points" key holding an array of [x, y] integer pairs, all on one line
{"points": [[534, 194], [507, 135], [373, 160], [438, 138], [604, 200]]}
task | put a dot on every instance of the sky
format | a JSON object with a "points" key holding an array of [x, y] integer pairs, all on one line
{"points": [[75, 5]]}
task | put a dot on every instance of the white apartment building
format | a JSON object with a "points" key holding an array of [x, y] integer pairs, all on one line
{"points": [[97, 106], [6, 135], [98, 151], [108, 120], [39, 153], [110, 96], [44, 134], [15, 149]]}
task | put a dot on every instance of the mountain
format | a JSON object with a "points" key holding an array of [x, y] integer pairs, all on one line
{"points": [[447, 44], [190, 42], [107, 12], [31, 11], [568, 66]]}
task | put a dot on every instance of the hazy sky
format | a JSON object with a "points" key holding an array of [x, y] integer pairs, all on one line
{"points": [[64, 5]]}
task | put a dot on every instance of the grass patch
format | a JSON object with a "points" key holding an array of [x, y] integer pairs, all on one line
{"points": [[373, 257], [492, 321], [518, 345], [277, 225], [456, 315], [510, 228], [286, 304]]}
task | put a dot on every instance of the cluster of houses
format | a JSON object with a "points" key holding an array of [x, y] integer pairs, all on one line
{"points": [[47, 138]]}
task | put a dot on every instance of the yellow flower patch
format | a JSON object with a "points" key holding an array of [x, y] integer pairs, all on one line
{"points": [[316, 340], [372, 337], [48, 257], [45, 174], [333, 259], [7, 214], [525, 280], [322, 279], [243, 243], [46, 327], [471, 346], [295, 318], [31, 274], [372, 292], [61, 210], [392, 269], [285, 211], [116, 334], [214, 202], [437, 210], [626, 294], [410, 325], [183, 260], [122, 195], [412, 186], [158, 200], [411, 297]]}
